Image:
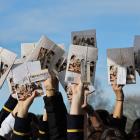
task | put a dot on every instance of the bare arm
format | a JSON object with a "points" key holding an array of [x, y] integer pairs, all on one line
{"points": [[118, 109], [77, 99]]}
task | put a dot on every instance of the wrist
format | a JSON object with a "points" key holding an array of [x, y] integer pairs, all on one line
{"points": [[119, 100], [50, 92], [120, 97], [22, 113]]}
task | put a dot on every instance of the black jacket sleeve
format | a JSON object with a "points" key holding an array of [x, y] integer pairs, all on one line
{"points": [[21, 129], [57, 120], [7, 108], [118, 123], [75, 127], [43, 130], [2, 138]]}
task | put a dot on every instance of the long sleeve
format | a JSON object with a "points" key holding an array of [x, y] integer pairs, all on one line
{"points": [[7, 126], [119, 123], [7, 108], [75, 127], [21, 129], [43, 130], [57, 120], [2, 138]]}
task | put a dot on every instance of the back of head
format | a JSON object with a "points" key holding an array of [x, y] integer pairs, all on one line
{"points": [[135, 130], [95, 135], [113, 134], [136, 125], [104, 116]]}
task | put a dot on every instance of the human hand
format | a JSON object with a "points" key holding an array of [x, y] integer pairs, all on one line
{"points": [[51, 85], [23, 105], [77, 98], [118, 92]]}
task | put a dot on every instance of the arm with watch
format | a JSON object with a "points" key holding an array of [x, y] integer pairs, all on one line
{"points": [[118, 120]]}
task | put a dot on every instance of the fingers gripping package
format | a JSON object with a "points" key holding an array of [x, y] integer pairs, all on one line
{"points": [[47, 52], [82, 57], [26, 78], [121, 66]]}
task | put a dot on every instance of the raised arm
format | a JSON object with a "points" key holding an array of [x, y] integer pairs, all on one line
{"points": [[8, 107], [118, 109], [8, 124], [22, 129], [56, 110], [75, 120]]}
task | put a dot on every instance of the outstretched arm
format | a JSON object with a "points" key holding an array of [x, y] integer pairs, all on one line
{"points": [[118, 109], [75, 120], [56, 110], [21, 129]]}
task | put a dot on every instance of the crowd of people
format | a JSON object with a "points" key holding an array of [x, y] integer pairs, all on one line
{"points": [[56, 123]]}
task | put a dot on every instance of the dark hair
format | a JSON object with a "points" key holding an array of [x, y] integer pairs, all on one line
{"points": [[135, 130], [66, 88], [72, 56], [88, 41], [51, 52], [113, 134], [111, 67], [11, 80], [74, 37], [95, 135], [131, 66], [16, 86], [105, 116], [6, 65]]}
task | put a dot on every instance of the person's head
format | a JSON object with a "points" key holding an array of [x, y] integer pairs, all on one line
{"points": [[95, 135], [135, 131], [88, 41], [75, 40], [104, 115], [52, 53], [11, 81], [131, 69], [69, 92], [5, 66], [34, 125], [92, 63], [17, 86], [113, 69], [83, 40], [113, 73], [72, 57], [113, 134], [92, 41], [42, 50], [13, 89], [58, 63], [23, 88]]}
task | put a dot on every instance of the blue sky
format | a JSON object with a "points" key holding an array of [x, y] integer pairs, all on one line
{"points": [[116, 23]]}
